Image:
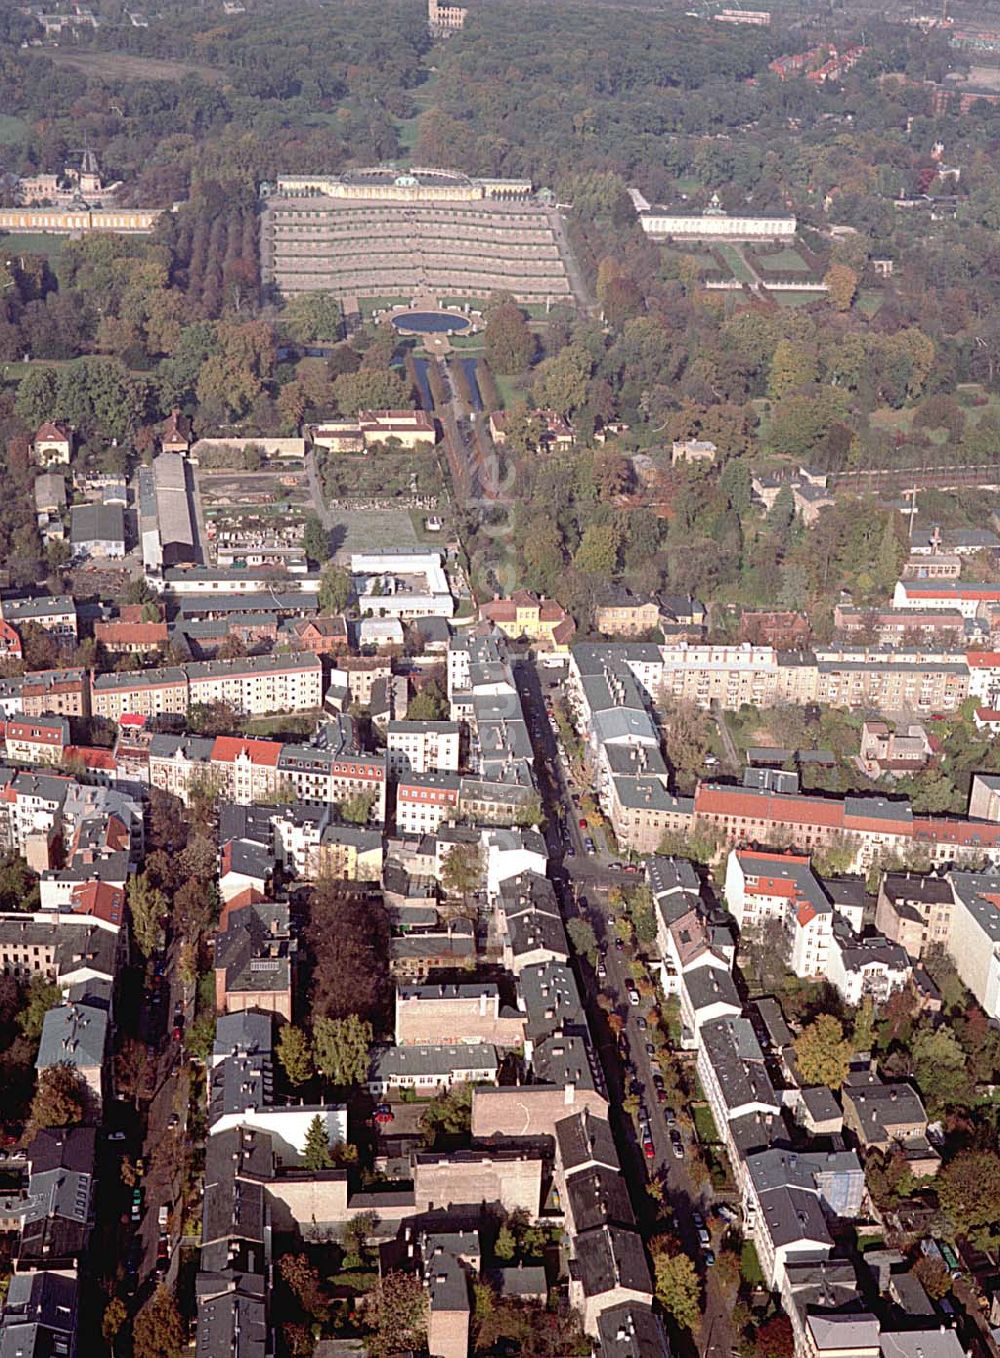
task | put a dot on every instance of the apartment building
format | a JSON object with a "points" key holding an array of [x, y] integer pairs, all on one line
{"points": [[254, 686], [310, 844], [872, 826], [258, 685], [974, 935], [923, 684], [65, 693], [915, 911], [55, 613], [40, 740], [144, 693], [423, 747], [425, 801]]}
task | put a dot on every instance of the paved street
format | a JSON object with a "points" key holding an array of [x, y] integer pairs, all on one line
{"points": [[584, 882]]}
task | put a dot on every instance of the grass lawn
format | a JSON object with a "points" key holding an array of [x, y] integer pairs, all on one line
{"points": [[786, 260], [407, 130], [510, 391], [370, 304], [735, 261], [750, 1269], [12, 129], [869, 302], [470, 344], [31, 242], [795, 299], [417, 517], [13, 372], [272, 726], [704, 1124]]}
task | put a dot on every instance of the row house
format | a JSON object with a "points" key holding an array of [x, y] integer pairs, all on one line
{"points": [[39, 740], [259, 685], [64, 693], [254, 686], [873, 826], [145, 693], [425, 801], [246, 771]]}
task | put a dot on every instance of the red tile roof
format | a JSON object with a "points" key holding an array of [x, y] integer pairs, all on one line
{"points": [[712, 800], [131, 633], [54, 431], [248, 896], [264, 753], [100, 899]]}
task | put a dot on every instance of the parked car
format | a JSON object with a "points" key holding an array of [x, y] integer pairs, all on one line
{"points": [[643, 1025], [676, 1144], [633, 996], [649, 1150], [582, 823], [602, 970], [709, 1256]]}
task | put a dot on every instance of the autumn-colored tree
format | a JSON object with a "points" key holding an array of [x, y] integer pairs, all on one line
{"points": [[60, 1097], [508, 342], [823, 1053], [294, 1054], [968, 1189], [775, 1339], [677, 1287], [303, 1281], [396, 1312], [841, 285], [158, 1330], [933, 1276], [792, 366]]}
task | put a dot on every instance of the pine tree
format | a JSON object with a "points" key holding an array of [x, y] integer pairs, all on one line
{"points": [[316, 1153]]}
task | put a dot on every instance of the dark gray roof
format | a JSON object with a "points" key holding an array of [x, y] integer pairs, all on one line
{"points": [[631, 1331], [566, 1059], [585, 1138], [255, 951], [242, 1033], [97, 523], [457, 1059], [610, 1257], [598, 1197], [776, 1030], [551, 1000], [233, 1325], [925, 889], [738, 1062], [74, 1034], [882, 1106], [820, 1103], [791, 1215], [708, 986]]}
